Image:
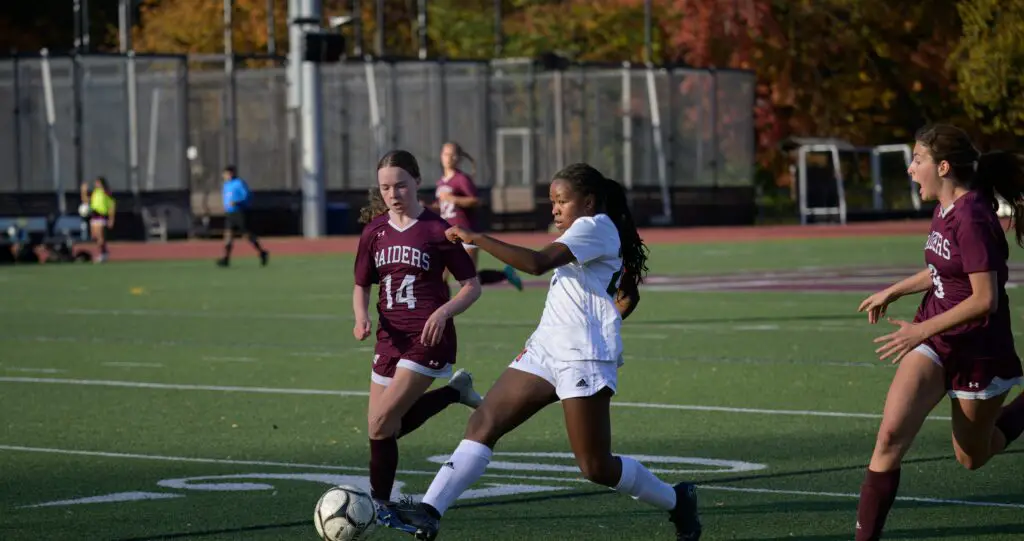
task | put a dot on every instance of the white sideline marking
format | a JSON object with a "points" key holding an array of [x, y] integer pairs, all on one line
{"points": [[183, 387], [36, 370], [273, 390], [723, 488], [109, 498], [133, 365], [229, 359]]}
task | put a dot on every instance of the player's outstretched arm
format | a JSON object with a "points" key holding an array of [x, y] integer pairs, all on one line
{"points": [[535, 262], [917, 283], [876, 304]]}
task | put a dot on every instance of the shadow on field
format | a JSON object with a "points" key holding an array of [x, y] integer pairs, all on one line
{"points": [[207, 533], [752, 319], [952, 532]]}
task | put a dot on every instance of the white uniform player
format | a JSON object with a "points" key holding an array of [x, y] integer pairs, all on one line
{"points": [[572, 357], [577, 346]]}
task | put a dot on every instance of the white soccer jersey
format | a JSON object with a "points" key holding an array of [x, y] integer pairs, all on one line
{"points": [[580, 321]]}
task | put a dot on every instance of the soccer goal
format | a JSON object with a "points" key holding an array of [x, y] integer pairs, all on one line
{"points": [[835, 176]]}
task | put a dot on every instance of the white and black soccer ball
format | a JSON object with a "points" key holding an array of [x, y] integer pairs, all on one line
{"points": [[344, 513], [83, 210]]}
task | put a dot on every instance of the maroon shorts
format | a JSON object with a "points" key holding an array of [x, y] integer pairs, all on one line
{"points": [[976, 368], [407, 352]]}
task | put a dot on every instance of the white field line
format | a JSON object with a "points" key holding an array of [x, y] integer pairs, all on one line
{"points": [[739, 323], [133, 364], [325, 392], [348, 352], [215, 359], [34, 370], [724, 488], [182, 387]]}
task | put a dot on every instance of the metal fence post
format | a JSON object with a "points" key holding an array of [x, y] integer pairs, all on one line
{"points": [[133, 127], [715, 151], [184, 99], [443, 108], [627, 125], [76, 85], [670, 113], [532, 114], [19, 180], [559, 97], [584, 133], [230, 132]]}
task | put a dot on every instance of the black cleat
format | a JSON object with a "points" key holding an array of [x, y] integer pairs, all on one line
{"points": [[418, 516], [388, 517], [685, 516], [264, 258], [223, 262]]}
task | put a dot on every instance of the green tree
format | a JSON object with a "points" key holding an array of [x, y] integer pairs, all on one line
{"points": [[197, 26], [989, 63]]}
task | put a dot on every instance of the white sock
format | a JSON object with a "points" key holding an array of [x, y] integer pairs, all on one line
{"points": [[641, 484], [464, 468]]}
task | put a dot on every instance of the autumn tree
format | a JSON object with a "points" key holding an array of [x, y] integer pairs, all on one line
{"points": [[989, 63], [197, 26]]}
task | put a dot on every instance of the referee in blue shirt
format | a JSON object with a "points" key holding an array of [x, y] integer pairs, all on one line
{"points": [[237, 199]]}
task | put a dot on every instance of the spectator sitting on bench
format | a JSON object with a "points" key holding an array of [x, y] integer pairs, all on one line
{"points": [[23, 249], [101, 213]]}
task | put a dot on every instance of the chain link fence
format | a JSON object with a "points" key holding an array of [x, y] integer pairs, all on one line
{"points": [[677, 127]]}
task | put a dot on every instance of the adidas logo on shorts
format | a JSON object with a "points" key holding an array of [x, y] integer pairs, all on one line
{"points": [[581, 383]]}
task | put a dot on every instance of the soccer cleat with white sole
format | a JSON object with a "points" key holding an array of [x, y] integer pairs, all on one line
{"points": [[462, 381]]}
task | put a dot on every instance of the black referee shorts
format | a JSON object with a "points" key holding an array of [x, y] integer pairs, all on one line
{"points": [[238, 221]]}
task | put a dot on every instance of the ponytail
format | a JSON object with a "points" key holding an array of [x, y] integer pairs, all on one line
{"points": [[462, 154], [374, 208], [1002, 173], [634, 251]]}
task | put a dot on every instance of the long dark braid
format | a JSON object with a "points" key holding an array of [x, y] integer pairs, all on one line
{"points": [[610, 198]]}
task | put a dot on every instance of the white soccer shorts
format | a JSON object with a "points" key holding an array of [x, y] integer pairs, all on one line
{"points": [[571, 379]]}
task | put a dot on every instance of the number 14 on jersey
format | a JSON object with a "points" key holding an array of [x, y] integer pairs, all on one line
{"points": [[403, 295]]}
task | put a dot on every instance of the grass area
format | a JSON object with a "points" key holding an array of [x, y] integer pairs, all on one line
{"points": [[230, 398]]}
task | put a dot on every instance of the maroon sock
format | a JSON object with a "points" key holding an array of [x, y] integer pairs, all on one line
{"points": [[491, 277], [429, 405], [1011, 419], [876, 497], [383, 465]]}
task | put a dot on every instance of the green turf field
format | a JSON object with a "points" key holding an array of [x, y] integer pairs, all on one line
{"points": [[177, 400]]}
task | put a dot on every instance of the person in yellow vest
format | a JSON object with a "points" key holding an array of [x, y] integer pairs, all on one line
{"points": [[101, 213]]}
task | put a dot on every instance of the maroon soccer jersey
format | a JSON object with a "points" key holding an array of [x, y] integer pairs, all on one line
{"points": [[967, 238], [408, 266], [459, 185]]}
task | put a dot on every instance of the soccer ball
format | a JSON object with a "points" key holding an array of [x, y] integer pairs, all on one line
{"points": [[83, 210], [344, 513]]}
